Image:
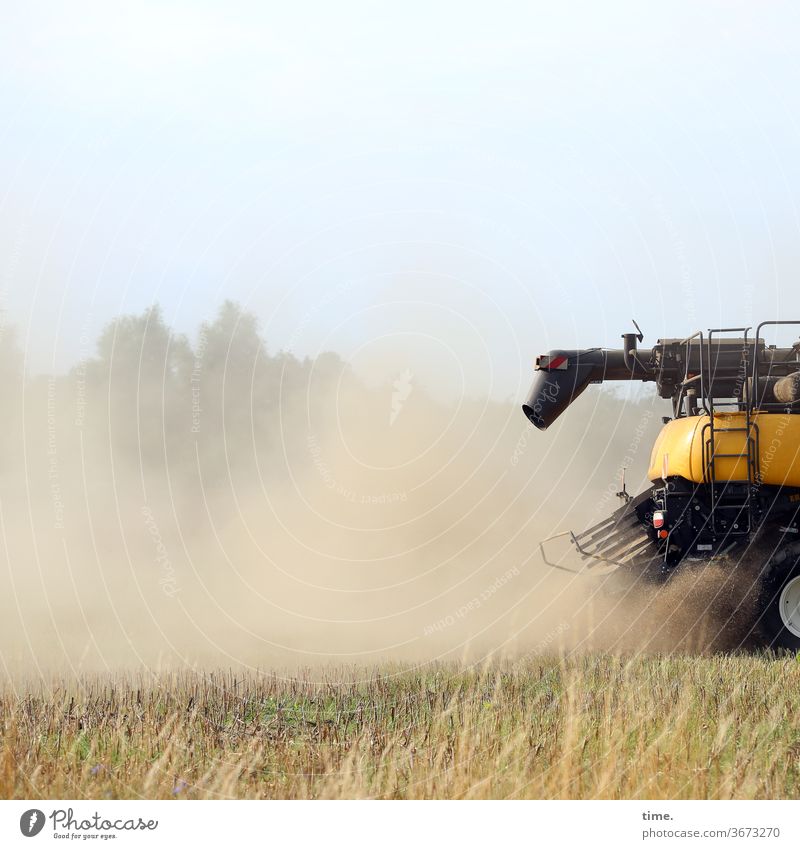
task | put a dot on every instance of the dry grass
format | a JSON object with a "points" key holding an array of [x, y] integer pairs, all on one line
{"points": [[596, 726]]}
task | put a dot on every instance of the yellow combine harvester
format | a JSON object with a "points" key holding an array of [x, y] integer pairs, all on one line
{"points": [[725, 468]]}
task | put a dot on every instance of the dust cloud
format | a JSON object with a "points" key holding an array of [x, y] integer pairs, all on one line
{"points": [[203, 501], [703, 609]]}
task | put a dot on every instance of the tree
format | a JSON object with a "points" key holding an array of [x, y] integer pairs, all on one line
{"points": [[140, 385]]}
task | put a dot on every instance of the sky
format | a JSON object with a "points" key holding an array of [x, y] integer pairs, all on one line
{"points": [[450, 188]]}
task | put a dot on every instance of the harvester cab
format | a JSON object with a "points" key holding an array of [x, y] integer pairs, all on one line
{"points": [[724, 470]]}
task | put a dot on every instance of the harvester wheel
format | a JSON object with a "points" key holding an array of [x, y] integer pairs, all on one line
{"points": [[780, 599]]}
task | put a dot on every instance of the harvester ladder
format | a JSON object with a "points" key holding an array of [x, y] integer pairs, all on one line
{"points": [[731, 518]]}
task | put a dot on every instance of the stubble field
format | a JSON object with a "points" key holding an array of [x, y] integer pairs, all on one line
{"points": [[591, 726]]}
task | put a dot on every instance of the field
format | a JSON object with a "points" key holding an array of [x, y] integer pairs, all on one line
{"points": [[593, 726]]}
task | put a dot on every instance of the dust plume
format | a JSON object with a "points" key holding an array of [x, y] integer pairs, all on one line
{"points": [[706, 607], [177, 501]]}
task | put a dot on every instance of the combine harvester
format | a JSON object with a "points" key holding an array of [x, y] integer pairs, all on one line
{"points": [[725, 468]]}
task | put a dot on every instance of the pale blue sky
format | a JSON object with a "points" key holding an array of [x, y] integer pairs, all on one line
{"points": [[448, 187]]}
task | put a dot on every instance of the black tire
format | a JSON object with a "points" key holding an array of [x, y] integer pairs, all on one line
{"points": [[783, 567]]}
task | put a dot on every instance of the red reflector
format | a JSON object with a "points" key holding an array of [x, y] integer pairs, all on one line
{"points": [[663, 534], [659, 519], [548, 363]]}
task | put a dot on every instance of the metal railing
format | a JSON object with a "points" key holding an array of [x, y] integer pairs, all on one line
{"points": [[731, 517]]}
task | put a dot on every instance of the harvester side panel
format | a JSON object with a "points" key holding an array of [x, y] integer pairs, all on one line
{"points": [[679, 449]]}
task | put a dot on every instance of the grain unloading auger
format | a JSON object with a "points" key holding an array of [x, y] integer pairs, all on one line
{"points": [[725, 468]]}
